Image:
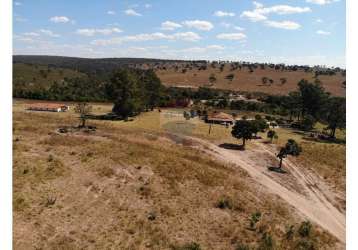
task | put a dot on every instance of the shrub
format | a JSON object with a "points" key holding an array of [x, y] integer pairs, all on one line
{"points": [[267, 242], [241, 246], [188, 246], [305, 229], [289, 232], [255, 217], [305, 244], [224, 202]]}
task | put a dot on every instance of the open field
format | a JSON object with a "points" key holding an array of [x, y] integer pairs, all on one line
{"points": [[33, 69], [252, 82], [145, 184]]}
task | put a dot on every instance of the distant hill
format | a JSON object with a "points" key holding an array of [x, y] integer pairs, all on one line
{"points": [[277, 79], [28, 76]]}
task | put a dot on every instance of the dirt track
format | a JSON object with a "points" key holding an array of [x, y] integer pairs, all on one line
{"points": [[315, 204]]}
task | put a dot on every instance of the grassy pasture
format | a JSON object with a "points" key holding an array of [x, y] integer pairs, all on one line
{"points": [[97, 191]]}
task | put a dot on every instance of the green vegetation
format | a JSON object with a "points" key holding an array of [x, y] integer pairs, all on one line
{"points": [[291, 148], [244, 130]]}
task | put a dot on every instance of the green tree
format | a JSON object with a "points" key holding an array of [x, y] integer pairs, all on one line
{"points": [[308, 122], [243, 129], [124, 89], [212, 78], [283, 80], [291, 148], [335, 114], [259, 125], [153, 89], [313, 97]]}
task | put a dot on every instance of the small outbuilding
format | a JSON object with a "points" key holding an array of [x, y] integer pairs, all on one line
{"points": [[51, 107], [220, 118]]}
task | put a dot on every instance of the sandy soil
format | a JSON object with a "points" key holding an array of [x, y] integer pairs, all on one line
{"points": [[313, 202]]}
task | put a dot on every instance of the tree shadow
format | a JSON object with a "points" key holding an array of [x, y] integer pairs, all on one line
{"points": [[325, 140], [232, 146], [277, 170], [108, 117]]}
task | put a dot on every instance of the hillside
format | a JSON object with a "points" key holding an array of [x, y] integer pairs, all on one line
{"points": [[277, 79], [40, 76], [161, 182], [244, 80]]}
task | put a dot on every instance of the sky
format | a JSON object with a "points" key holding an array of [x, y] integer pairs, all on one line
{"points": [[304, 32]]}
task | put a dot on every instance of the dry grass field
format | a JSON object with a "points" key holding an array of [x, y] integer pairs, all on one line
{"points": [[252, 82], [134, 185]]}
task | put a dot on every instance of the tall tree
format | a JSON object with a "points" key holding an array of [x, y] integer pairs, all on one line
{"points": [[335, 114], [124, 89], [153, 89], [312, 97]]}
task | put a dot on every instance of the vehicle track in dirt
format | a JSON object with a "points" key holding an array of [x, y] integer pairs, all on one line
{"points": [[315, 204]]}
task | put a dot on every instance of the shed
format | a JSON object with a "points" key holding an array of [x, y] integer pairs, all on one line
{"points": [[51, 107], [220, 118]]}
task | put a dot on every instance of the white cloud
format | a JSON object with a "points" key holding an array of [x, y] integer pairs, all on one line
{"points": [[322, 2], [215, 47], [319, 20], [187, 36], [92, 32], [220, 13], [111, 12], [131, 12], [260, 13], [59, 19], [239, 28], [17, 3], [20, 19], [49, 33], [183, 36], [198, 24], [257, 4], [168, 25], [253, 16], [322, 32], [288, 25], [31, 34], [147, 6], [231, 36], [283, 10]]}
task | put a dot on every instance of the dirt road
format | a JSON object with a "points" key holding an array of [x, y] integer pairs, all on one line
{"points": [[314, 204]]}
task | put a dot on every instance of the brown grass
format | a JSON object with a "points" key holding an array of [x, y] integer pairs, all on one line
{"points": [[108, 184], [246, 81]]}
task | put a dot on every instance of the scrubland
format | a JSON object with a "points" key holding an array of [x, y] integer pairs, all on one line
{"points": [[136, 185]]}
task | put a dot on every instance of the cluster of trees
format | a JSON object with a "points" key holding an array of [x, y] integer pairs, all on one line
{"points": [[132, 91]]}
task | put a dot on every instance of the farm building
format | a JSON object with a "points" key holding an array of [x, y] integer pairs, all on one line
{"points": [[51, 107], [220, 118]]}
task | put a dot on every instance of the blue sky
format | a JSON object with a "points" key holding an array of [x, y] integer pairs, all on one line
{"points": [[292, 31]]}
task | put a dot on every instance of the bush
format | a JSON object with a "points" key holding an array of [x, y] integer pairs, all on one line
{"points": [[267, 242], [241, 246], [188, 246], [305, 244], [289, 232], [305, 229], [224, 202], [255, 217]]}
